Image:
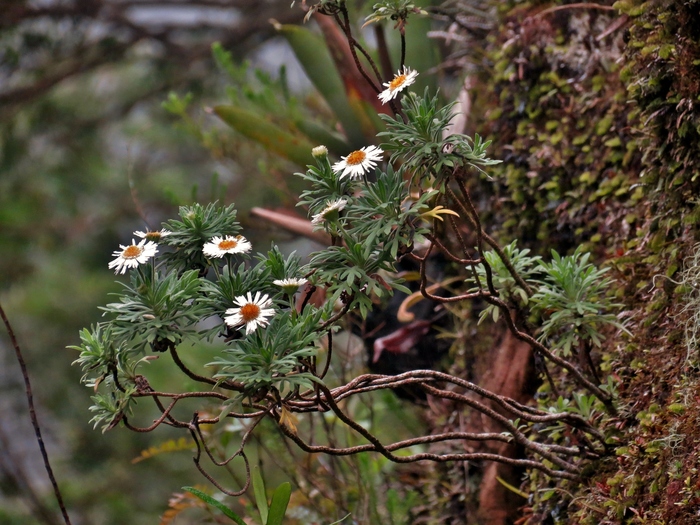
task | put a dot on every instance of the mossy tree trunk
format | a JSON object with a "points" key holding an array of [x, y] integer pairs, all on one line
{"points": [[595, 111]]}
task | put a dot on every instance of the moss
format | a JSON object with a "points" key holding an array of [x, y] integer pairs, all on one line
{"points": [[562, 106], [609, 158]]}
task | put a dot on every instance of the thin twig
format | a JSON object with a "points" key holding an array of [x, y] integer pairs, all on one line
{"points": [[228, 385], [355, 43], [329, 356], [204, 473], [451, 256], [496, 247], [438, 458], [539, 347], [32, 415], [585, 5], [473, 218], [424, 283]]}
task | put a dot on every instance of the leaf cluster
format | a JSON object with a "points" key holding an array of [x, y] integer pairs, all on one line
{"points": [[167, 303], [420, 139], [278, 356], [526, 265], [573, 302], [197, 225], [379, 223], [156, 310], [324, 186], [108, 362], [570, 294], [396, 10]]}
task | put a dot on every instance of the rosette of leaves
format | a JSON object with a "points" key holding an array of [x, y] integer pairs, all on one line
{"points": [[379, 222], [324, 186], [110, 408], [105, 361], [278, 356], [157, 310], [98, 354], [279, 266], [351, 274], [234, 281], [385, 214], [573, 303], [418, 138], [197, 225]]}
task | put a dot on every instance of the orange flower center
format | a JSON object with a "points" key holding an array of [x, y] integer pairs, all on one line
{"points": [[356, 157], [397, 82], [250, 312], [228, 244], [132, 252]]}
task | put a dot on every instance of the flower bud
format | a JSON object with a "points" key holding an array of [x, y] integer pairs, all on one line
{"points": [[319, 152]]}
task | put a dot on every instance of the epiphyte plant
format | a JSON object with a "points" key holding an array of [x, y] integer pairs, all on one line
{"points": [[195, 284]]}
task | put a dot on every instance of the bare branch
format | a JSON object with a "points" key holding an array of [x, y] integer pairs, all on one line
{"points": [[33, 416]]}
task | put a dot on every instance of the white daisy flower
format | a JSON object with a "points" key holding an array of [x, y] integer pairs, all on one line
{"points": [[250, 312], [326, 213], [133, 255], [290, 285], [358, 162], [220, 246], [152, 235], [401, 80]]}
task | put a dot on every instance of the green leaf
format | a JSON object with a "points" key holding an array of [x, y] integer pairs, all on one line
{"points": [[313, 54], [224, 59], [176, 105], [320, 135], [510, 487], [255, 127], [341, 519], [278, 507], [206, 498], [260, 496]]}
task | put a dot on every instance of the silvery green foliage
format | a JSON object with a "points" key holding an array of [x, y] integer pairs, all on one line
{"points": [[572, 301], [379, 223], [418, 138], [197, 225], [569, 295], [169, 302], [384, 214], [272, 356], [176, 302], [526, 265]]}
